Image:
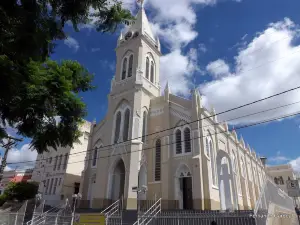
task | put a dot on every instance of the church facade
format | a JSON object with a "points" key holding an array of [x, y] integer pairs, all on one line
{"points": [[173, 146]]}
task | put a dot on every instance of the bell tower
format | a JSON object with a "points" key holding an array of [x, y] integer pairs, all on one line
{"points": [[138, 53], [135, 83]]}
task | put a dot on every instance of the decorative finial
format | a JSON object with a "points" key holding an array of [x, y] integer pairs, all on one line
{"points": [[141, 2]]}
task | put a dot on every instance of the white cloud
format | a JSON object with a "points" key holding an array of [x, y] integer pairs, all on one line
{"points": [[218, 68], [177, 69], [266, 66], [296, 164], [279, 158], [15, 156], [72, 43]]}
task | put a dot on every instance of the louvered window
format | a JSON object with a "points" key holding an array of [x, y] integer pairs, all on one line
{"points": [[187, 140], [158, 160], [178, 142]]}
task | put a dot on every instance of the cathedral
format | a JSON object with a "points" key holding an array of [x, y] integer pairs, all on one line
{"points": [[168, 146]]}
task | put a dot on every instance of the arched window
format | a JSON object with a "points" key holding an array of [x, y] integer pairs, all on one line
{"points": [[147, 68], [130, 66], [117, 127], [126, 125], [144, 126], [207, 147], [276, 180], [65, 161], [178, 142], [152, 72], [95, 155], [124, 69], [187, 140], [157, 173]]}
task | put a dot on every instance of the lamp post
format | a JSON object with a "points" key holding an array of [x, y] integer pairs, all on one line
{"points": [[75, 197], [139, 190]]}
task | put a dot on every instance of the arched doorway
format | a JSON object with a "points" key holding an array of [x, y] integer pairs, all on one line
{"points": [[142, 181], [184, 187], [117, 178], [228, 198]]}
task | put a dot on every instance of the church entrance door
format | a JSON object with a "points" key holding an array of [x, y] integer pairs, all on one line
{"points": [[187, 192], [118, 181]]}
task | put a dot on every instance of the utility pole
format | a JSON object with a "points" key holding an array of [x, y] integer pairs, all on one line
{"points": [[11, 141]]}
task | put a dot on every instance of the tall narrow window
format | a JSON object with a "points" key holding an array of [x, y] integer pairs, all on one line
{"points": [[95, 157], [207, 146], [152, 72], [157, 173], [126, 125], [124, 69], [130, 66], [47, 186], [117, 127], [147, 68], [50, 160], [55, 162], [144, 126], [55, 185], [178, 142], [187, 140], [212, 162], [59, 162], [51, 184], [65, 161]]}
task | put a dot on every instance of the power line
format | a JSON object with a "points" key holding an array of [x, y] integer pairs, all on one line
{"points": [[201, 136], [226, 111], [251, 114]]}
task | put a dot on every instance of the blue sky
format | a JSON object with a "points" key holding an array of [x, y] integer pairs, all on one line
{"points": [[238, 52]]}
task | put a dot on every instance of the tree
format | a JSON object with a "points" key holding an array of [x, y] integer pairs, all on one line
{"points": [[34, 91], [21, 191]]}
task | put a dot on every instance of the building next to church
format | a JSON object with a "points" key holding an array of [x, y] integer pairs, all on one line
{"points": [[14, 176], [174, 146], [58, 172]]}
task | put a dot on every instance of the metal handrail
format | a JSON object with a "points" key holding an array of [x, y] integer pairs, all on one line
{"points": [[42, 216], [154, 209]]}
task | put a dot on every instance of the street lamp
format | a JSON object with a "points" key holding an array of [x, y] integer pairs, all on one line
{"points": [[142, 189], [75, 197]]}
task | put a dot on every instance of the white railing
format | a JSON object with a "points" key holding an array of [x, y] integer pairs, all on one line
{"points": [[41, 219], [148, 216], [114, 210]]}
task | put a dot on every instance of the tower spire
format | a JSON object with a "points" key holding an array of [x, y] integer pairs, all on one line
{"points": [[141, 2]]}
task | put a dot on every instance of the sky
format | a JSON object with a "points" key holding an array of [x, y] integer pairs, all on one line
{"points": [[233, 51]]}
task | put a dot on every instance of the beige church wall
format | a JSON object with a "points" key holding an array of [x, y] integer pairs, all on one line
{"points": [[182, 102]]}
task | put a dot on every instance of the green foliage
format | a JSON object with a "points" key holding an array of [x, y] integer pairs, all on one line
{"points": [[35, 91], [21, 191], [3, 199]]}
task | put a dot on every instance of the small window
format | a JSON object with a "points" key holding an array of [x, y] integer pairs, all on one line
{"points": [[50, 160], [152, 72], [47, 186], [51, 184], [124, 69], [55, 185], [117, 127], [187, 140], [157, 160], [147, 68], [178, 142], [95, 155], [130, 66], [126, 125], [59, 182]]}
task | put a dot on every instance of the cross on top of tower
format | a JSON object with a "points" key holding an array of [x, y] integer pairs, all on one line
{"points": [[141, 2]]}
